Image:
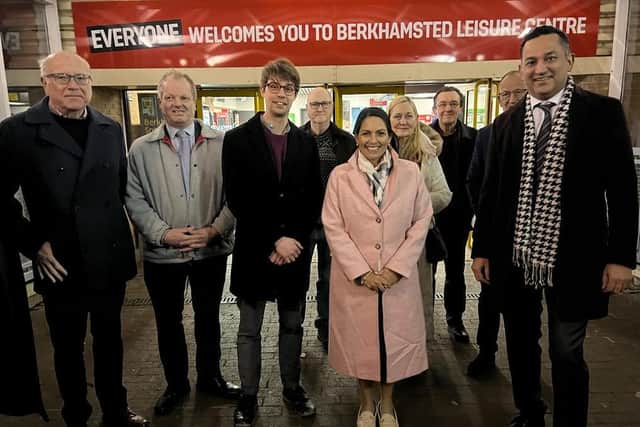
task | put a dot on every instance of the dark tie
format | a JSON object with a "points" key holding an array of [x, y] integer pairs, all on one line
{"points": [[543, 135], [184, 152]]}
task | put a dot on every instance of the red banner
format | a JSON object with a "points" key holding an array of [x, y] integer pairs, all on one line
{"points": [[195, 33]]}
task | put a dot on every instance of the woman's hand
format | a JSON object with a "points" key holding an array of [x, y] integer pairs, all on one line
{"points": [[373, 281], [389, 277]]}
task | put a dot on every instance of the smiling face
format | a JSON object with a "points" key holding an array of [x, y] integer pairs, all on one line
{"points": [[373, 139], [71, 97], [319, 107], [404, 119], [545, 66], [176, 102], [447, 106], [279, 94]]}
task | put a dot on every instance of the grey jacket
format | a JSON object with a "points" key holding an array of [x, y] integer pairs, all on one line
{"points": [[156, 199]]}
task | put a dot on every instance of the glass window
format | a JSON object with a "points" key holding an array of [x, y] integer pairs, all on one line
{"points": [[24, 33]]}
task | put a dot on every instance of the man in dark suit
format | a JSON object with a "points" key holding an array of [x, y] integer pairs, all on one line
{"points": [[272, 182], [558, 213], [70, 162], [454, 221], [335, 147], [511, 89]]}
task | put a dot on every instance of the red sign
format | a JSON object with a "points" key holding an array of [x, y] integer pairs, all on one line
{"points": [[196, 33]]}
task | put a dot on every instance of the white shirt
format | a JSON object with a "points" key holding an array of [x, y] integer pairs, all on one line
{"points": [[189, 130], [538, 113]]}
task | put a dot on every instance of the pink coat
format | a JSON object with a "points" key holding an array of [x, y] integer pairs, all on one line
{"points": [[363, 237]]}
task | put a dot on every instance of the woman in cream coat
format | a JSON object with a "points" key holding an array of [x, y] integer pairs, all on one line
{"points": [[420, 143], [376, 215]]}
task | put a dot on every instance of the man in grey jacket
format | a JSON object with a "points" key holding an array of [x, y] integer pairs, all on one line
{"points": [[175, 199]]}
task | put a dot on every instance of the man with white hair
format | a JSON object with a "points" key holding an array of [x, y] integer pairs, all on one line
{"points": [[70, 162]]}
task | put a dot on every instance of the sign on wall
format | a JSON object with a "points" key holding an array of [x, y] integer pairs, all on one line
{"points": [[198, 33]]}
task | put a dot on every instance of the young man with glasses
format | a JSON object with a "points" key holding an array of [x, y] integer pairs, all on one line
{"points": [[273, 187], [511, 89], [70, 162], [454, 221], [335, 146]]}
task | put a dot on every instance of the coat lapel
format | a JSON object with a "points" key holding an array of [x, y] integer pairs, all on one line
{"points": [[49, 130], [97, 146], [261, 146], [292, 152], [389, 190]]}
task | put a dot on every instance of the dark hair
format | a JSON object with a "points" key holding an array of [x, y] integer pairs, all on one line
{"points": [[449, 89], [280, 67], [544, 30], [382, 115]]}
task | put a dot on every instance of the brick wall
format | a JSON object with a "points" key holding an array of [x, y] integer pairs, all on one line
{"points": [[109, 102]]}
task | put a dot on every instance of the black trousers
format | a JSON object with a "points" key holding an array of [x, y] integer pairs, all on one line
{"points": [[166, 284], [489, 318], [569, 372], [455, 288], [67, 311]]}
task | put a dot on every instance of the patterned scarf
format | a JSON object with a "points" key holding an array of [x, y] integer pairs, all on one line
{"points": [[377, 175], [537, 228]]}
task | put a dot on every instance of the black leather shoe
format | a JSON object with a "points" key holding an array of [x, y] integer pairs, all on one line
{"points": [[298, 401], [526, 421], [169, 400], [131, 420], [458, 331], [482, 365], [246, 411], [218, 387]]}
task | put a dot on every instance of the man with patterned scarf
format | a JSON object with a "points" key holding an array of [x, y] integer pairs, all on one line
{"points": [[558, 214]]}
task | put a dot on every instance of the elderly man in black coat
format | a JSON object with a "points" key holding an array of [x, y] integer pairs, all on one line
{"points": [[558, 212], [19, 382], [70, 162]]}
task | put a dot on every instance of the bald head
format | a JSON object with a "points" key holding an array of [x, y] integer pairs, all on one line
{"points": [[511, 89], [66, 79], [319, 109]]}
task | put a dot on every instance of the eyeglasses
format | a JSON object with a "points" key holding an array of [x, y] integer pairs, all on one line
{"points": [[274, 87], [505, 95], [317, 105], [64, 78], [453, 104]]}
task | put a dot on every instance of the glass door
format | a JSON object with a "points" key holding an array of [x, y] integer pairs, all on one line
{"points": [[224, 109]]}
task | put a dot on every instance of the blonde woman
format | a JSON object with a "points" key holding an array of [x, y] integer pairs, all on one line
{"points": [[420, 143]]}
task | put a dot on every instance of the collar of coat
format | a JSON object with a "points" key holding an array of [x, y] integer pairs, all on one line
{"points": [[41, 114], [203, 131]]}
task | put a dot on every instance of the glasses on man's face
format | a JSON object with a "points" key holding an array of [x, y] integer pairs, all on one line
{"points": [[505, 95], [318, 105], [453, 104], [64, 78], [274, 87]]}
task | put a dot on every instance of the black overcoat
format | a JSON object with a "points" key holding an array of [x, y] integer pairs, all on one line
{"points": [[267, 208], [75, 199], [599, 202]]}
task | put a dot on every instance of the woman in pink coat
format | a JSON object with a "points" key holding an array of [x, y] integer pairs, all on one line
{"points": [[376, 214]]}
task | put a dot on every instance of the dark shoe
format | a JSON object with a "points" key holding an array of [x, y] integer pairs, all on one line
{"points": [[482, 365], [458, 331], [298, 401], [246, 411], [132, 420], [218, 387], [525, 421], [169, 400]]}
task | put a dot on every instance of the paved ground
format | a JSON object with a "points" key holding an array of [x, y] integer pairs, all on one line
{"points": [[443, 396]]}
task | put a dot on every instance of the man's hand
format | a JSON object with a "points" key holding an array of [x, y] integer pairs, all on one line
{"points": [[480, 268], [199, 238], [616, 278], [289, 249], [177, 237], [276, 259], [48, 265]]}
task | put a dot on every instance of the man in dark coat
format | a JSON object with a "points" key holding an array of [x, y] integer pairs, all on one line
{"points": [[272, 182], [19, 382], [70, 162], [511, 89], [335, 147], [454, 222], [558, 211]]}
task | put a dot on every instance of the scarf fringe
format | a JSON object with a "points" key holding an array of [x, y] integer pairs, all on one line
{"points": [[538, 275]]}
